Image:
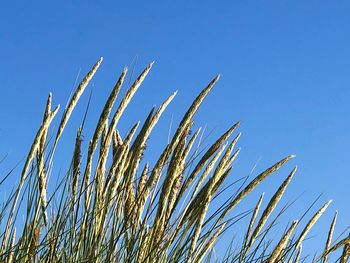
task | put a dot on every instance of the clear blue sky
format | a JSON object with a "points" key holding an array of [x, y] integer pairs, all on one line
{"points": [[285, 72]]}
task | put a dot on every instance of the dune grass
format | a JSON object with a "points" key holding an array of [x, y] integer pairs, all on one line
{"points": [[112, 206]]}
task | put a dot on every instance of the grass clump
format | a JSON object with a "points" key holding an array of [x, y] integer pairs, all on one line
{"points": [[120, 209]]}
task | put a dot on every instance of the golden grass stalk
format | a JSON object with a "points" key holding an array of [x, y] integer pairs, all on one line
{"points": [[76, 164], [106, 111], [282, 243], [35, 146], [251, 223], [71, 105], [231, 159], [40, 157], [174, 192], [191, 111], [297, 257], [42, 190], [330, 235], [310, 224], [73, 101], [142, 180], [103, 135], [40, 153], [270, 207], [199, 257], [117, 141], [346, 252], [40, 161], [141, 193], [100, 171], [131, 134], [117, 148], [158, 114], [130, 203]]}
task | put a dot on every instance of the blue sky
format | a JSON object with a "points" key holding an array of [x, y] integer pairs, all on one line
{"points": [[284, 69]]}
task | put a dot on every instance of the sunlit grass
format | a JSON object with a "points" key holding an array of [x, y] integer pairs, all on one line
{"points": [[119, 209]]}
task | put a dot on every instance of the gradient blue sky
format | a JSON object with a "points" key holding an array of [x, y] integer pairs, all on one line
{"points": [[285, 72]]}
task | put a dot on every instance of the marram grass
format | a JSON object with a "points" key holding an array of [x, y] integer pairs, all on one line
{"points": [[113, 206]]}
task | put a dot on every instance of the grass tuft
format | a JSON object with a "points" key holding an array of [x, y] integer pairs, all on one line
{"points": [[111, 205]]}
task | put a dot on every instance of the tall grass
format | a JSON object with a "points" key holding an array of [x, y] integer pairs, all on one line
{"points": [[112, 206]]}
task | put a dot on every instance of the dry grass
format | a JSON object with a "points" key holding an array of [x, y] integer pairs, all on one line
{"points": [[115, 207]]}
